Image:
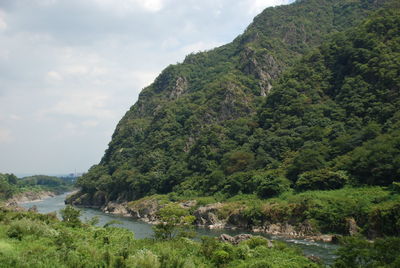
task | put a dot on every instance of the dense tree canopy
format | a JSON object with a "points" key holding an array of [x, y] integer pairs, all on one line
{"points": [[330, 119]]}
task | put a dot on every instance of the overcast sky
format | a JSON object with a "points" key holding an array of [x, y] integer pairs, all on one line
{"points": [[70, 69]]}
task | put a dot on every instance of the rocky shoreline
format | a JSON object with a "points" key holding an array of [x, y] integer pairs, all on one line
{"points": [[29, 196], [208, 216]]}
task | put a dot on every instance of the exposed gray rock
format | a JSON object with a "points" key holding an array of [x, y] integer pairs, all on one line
{"points": [[188, 204], [33, 209], [263, 66], [315, 259], [29, 196], [206, 216], [117, 209], [145, 210], [241, 237], [234, 104], [181, 85], [352, 226]]}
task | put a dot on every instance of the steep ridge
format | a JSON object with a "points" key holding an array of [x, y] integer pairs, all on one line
{"points": [[205, 126]]}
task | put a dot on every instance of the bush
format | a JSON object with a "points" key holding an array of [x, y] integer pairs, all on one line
{"points": [[358, 252], [20, 228], [322, 179], [221, 257], [143, 259], [70, 216], [256, 241], [174, 220], [270, 184]]}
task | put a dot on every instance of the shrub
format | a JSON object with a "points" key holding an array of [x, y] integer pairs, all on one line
{"points": [[70, 216], [358, 252], [20, 228], [221, 257], [322, 179], [270, 184], [143, 259], [256, 241]]}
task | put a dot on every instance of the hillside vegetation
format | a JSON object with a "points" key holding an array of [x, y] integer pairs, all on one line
{"points": [[306, 99], [34, 240], [10, 185]]}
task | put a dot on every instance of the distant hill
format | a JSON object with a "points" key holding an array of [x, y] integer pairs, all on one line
{"points": [[10, 184]]}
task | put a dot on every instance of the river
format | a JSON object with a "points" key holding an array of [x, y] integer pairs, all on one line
{"points": [[325, 251]]}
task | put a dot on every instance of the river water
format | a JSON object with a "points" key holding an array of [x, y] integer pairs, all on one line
{"points": [[325, 251]]}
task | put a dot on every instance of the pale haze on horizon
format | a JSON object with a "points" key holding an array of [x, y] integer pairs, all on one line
{"points": [[70, 69]]}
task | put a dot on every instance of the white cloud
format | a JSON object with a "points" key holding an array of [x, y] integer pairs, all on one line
{"points": [[123, 7], [15, 117], [3, 24], [45, 2], [6, 136], [151, 5], [90, 123], [143, 78], [76, 70], [199, 46], [54, 76], [81, 104], [65, 82], [256, 6]]}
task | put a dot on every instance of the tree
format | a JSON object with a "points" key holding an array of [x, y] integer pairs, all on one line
{"points": [[70, 216], [173, 222], [270, 184], [321, 179], [358, 252]]}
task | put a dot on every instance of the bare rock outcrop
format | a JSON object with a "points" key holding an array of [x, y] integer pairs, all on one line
{"points": [[181, 85], [352, 226], [29, 197], [263, 66], [207, 216], [117, 209], [145, 210], [234, 240]]}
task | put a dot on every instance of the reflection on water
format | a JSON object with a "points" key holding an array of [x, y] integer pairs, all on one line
{"points": [[143, 230]]}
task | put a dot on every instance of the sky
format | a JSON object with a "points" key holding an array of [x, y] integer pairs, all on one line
{"points": [[70, 69]]}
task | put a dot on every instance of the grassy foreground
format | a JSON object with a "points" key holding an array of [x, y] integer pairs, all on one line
{"points": [[33, 240]]}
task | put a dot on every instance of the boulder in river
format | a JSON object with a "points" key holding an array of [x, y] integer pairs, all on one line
{"points": [[234, 240]]}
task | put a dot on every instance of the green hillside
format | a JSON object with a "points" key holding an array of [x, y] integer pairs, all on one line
{"points": [[306, 99], [10, 185]]}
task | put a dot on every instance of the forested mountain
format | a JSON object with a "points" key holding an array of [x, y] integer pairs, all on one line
{"points": [[306, 98]]}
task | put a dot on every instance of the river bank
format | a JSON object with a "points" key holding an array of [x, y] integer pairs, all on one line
{"points": [[29, 196], [143, 229], [214, 216], [314, 215]]}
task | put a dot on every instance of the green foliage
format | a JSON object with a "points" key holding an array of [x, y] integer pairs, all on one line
{"points": [[36, 240], [322, 179], [70, 216], [203, 127], [270, 184], [358, 252], [144, 259], [11, 185], [23, 227], [7, 185], [173, 222], [376, 162]]}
